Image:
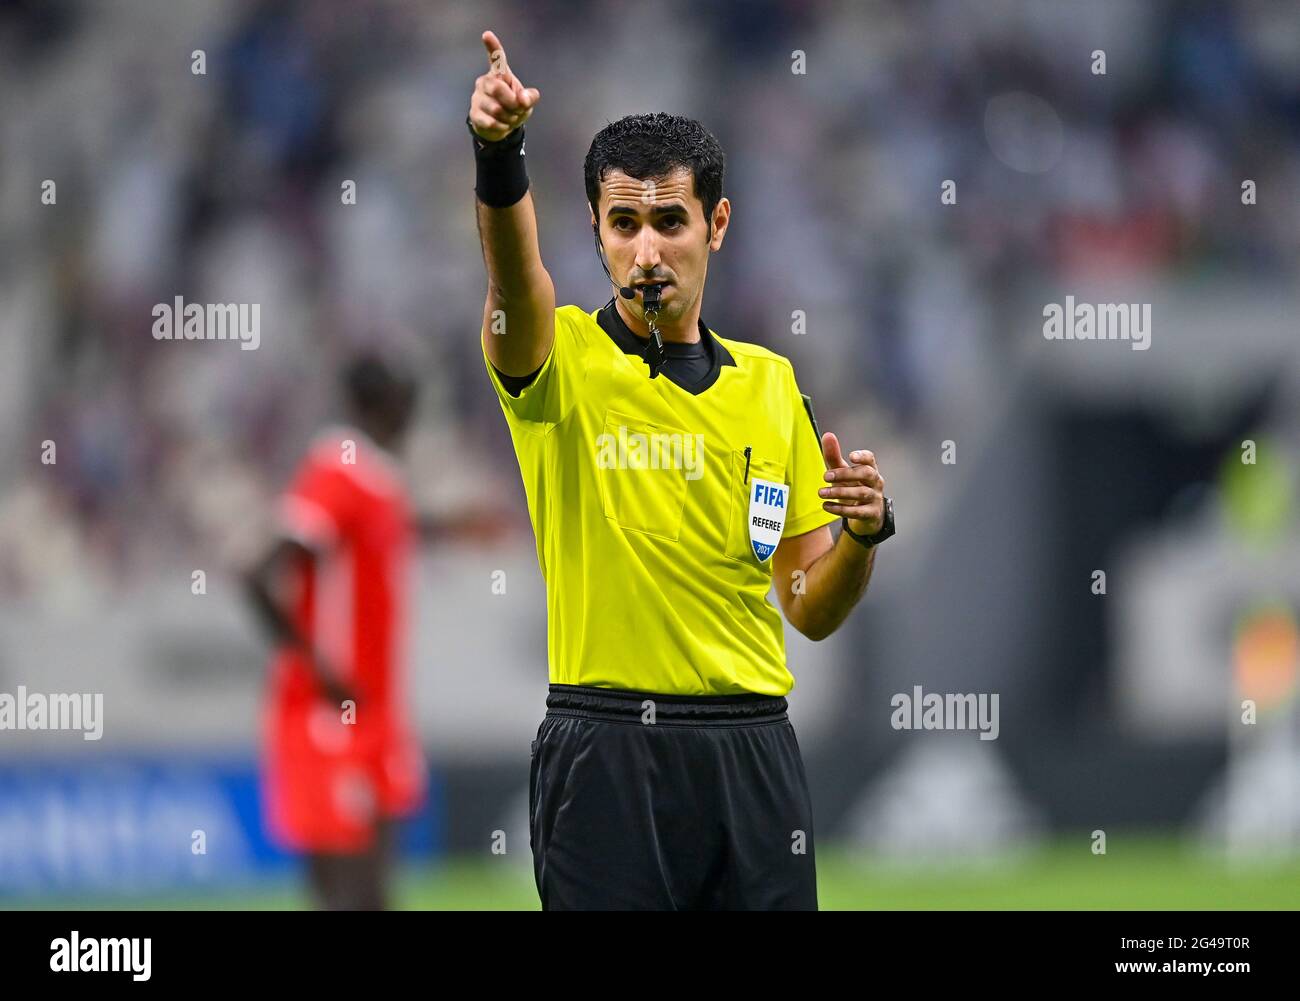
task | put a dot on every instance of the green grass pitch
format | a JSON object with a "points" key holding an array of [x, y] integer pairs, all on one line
{"points": [[1156, 873]]}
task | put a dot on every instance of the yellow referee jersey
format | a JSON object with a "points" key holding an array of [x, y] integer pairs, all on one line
{"points": [[656, 509]]}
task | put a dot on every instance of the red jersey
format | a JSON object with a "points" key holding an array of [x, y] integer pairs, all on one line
{"points": [[328, 778], [348, 504]]}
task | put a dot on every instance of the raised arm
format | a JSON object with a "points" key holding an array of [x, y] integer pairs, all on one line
{"points": [[519, 314]]}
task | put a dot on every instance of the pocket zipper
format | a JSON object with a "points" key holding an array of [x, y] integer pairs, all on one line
{"points": [[747, 449]]}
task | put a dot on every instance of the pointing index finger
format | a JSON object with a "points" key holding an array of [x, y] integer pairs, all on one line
{"points": [[496, 54]]}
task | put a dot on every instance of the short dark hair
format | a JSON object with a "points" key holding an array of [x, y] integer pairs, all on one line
{"points": [[651, 146]]}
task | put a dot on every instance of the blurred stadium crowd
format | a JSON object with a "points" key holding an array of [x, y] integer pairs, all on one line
{"points": [[225, 186]]}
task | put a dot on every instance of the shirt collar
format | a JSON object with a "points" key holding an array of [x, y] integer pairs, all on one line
{"points": [[633, 343], [381, 465]]}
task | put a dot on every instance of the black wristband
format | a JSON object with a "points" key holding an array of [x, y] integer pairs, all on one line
{"points": [[502, 178]]}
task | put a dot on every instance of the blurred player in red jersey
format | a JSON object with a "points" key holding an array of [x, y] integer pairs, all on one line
{"points": [[341, 762]]}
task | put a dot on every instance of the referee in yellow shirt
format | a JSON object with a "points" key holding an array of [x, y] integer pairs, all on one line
{"points": [[671, 475]]}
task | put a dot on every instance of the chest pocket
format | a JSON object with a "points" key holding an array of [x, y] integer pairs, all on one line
{"points": [[738, 544], [642, 468]]}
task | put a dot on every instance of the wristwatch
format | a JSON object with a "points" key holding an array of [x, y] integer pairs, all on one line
{"points": [[886, 530]]}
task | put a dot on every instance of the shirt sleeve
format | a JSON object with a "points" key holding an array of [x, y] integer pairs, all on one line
{"points": [[515, 384], [549, 396], [806, 468], [315, 510]]}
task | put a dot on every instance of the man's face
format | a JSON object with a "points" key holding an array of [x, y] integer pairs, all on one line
{"points": [[402, 410], [655, 230], [390, 421]]}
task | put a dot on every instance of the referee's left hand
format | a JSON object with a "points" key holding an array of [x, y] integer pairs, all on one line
{"points": [[857, 484]]}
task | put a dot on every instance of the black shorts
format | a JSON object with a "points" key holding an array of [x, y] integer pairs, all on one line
{"points": [[706, 808]]}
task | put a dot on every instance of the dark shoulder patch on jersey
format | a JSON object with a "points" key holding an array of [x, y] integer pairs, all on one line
{"points": [[807, 405]]}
